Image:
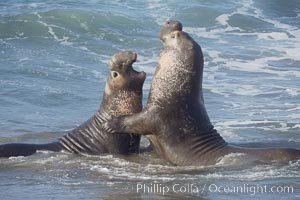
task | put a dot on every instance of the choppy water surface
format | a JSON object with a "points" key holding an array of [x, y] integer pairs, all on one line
{"points": [[53, 67]]}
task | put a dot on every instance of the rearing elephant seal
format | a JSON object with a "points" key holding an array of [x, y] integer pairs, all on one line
{"points": [[122, 96], [175, 119]]}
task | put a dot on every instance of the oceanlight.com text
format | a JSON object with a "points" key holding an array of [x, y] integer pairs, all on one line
{"points": [[247, 189]]}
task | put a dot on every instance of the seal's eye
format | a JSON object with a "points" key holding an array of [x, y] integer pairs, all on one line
{"points": [[173, 35], [114, 74]]}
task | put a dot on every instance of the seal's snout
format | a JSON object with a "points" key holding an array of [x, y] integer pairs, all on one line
{"points": [[122, 59], [169, 27], [174, 25], [132, 56]]}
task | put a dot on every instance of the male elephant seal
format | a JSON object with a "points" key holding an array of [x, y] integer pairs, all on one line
{"points": [[122, 96], [175, 119]]}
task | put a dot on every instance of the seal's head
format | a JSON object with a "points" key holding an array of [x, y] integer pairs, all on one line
{"points": [[122, 76], [169, 27], [178, 40], [124, 87]]}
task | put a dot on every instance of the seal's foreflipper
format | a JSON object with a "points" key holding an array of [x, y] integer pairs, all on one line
{"points": [[17, 149], [135, 123], [22, 149]]}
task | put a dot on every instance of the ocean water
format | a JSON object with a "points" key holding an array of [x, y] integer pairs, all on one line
{"points": [[53, 68]]}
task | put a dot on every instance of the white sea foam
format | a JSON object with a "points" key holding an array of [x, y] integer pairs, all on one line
{"points": [[154, 172], [84, 26], [294, 115], [260, 172], [203, 32], [52, 90], [245, 123], [223, 19], [24, 59], [235, 159], [294, 109], [215, 55], [64, 40], [33, 5], [259, 65], [291, 51], [293, 92]]}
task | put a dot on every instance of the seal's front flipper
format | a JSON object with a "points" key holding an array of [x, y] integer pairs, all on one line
{"points": [[22, 149], [17, 149], [137, 124]]}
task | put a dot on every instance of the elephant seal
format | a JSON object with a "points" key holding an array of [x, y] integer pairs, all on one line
{"points": [[175, 119], [122, 96]]}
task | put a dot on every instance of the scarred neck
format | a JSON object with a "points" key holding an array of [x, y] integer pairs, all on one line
{"points": [[121, 103]]}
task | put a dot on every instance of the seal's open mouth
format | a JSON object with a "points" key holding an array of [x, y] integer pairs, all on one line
{"points": [[138, 75]]}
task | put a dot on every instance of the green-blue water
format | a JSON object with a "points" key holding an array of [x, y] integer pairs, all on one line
{"points": [[53, 68]]}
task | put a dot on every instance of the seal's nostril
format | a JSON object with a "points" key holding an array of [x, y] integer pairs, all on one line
{"points": [[168, 22]]}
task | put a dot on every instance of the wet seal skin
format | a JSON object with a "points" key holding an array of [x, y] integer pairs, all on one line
{"points": [[175, 118], [122, 96]]}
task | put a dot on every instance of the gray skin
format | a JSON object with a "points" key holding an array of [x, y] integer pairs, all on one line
{"points": [[175, 119], [122, 96]]}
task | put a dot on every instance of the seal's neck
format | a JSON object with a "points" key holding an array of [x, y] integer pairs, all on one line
{"points": [[177, 79], [121, 102]]}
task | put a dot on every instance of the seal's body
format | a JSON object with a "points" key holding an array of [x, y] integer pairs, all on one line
{"points": [[175, 119], [122, 96]]}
